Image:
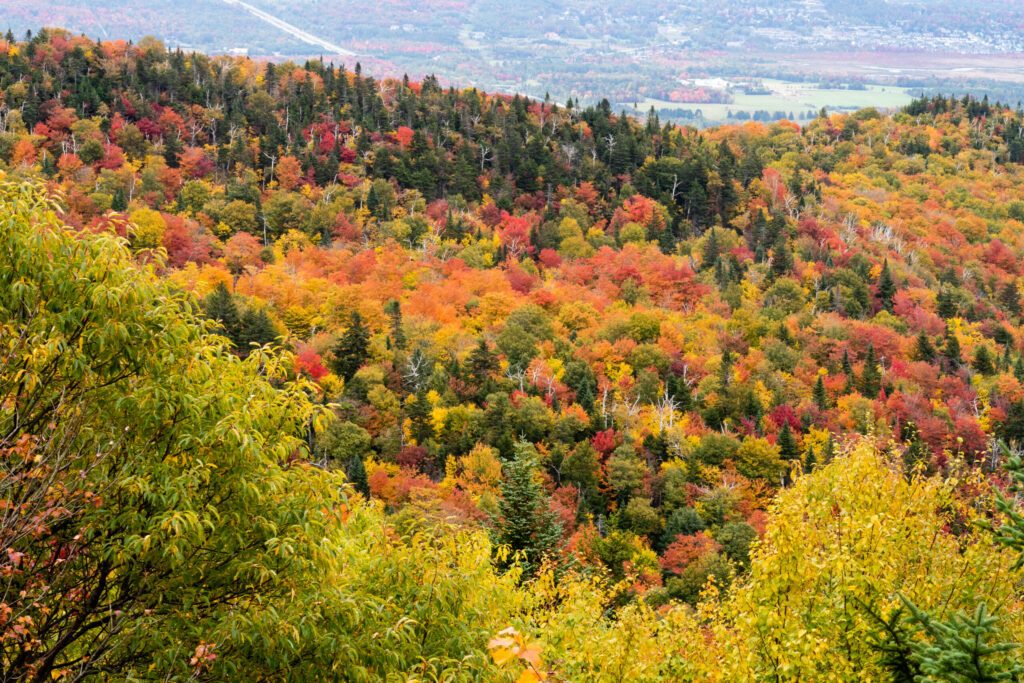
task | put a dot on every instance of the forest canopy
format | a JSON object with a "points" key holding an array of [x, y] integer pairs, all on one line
{"points": [[309, 372]]}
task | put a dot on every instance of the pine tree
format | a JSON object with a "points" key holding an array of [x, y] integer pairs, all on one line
{"points": [[220, 305], [394, 311], [810, 460], [782, 258], [421, 425], [481, 366], [351, 349], [788, 448], [527, 526], [355, 472], [951, 350], [256, 327], [871, 377], [1009, 298], [820, 395], [982, 362], [963, 647], [886, 287], [945, 304], [711, 250], [925, 351], [847, 369]]}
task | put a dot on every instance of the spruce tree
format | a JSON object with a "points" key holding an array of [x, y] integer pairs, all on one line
{"points": [[982, 362], [886, 287], [256, 327], [788, 448], [965, 648], [527, 525], [820, 395], [481, 366], [351, 349], [951, 350], [355, 472], [421, 425], [871, 377], [394, 311], [220, 305], [810, 460], [925, 351]]}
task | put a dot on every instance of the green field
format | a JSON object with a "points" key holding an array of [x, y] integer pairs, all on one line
{"points": [[793, 97]]}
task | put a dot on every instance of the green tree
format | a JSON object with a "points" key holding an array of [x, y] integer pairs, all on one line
{"points": [[527, 526], [924, 350], [820, 395], [351, 348], [871, 376], [886, 287]]}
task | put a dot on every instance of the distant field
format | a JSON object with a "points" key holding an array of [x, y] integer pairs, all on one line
{"points": [[793, 97]]}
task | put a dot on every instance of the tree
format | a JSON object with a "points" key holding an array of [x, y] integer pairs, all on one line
{"points": [[924, 350], [220, 306], [820, 395], [351, 348], [960, 648], [886, 287], [982, 361], [527, 525], [951, 350], [481, 366], [871, 376], [121, 444]]}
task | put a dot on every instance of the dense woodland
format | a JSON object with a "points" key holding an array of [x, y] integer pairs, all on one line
{"points": [[308, 372]]}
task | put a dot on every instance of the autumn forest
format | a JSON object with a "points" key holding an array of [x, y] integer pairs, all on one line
{"points": [[307, 375]]}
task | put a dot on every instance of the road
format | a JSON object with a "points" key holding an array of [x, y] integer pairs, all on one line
{"points": [[291, 29]]}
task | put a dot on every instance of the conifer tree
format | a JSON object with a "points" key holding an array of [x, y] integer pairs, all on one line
{"points": [[871, 377], [352, 347], [527, 526], [982, 362], [220, 306], [820, 395], [924, 351], [886, 287], [951, 350]]}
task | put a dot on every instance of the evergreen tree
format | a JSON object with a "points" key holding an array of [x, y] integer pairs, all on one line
{"points": [[788, 448], [810, 460], [481, 366], [847, 368], [351, 348], [820, 395], [421, 425], [1009, 299], [220, 305], [528, 527], [951, 350], [963, 648], [871, 377], [886, 287], [355, 472], [782, 257], [945, 304], [925, 351], [256, 327], [982, 362], [394, 311]]}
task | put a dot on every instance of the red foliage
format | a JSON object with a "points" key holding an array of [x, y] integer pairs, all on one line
{"points": [[685, 549], [308, 362]]}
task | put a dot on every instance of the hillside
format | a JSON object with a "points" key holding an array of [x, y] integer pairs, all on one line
{"points": [[593, 49], [616, 358]]}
